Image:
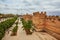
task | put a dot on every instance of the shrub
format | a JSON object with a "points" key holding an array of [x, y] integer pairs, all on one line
{"points": [[27, 24], [15, 28], [5, 25], [14, 31]]}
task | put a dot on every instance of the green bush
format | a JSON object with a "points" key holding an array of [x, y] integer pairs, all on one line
{"points": [[15, 28], [26, 24], [5, 25]]}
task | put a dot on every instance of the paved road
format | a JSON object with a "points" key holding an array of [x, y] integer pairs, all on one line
{"points": [[21, 35]]}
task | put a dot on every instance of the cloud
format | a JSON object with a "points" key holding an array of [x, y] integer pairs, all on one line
{"points": [[29, 6]]}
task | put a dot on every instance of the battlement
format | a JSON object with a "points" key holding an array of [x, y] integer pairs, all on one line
{"points": [[41, 15]]}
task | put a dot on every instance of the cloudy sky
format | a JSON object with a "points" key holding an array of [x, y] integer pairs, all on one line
{"points": [[52, 7]]}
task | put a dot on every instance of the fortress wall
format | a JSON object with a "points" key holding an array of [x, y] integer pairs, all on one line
{"points": [[54, 34], [50, 24], [38, 20], [52, 27]]}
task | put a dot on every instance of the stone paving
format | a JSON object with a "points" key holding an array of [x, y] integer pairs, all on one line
{"points": [[21, 35]]}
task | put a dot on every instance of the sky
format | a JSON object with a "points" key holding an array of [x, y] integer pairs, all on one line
{"points": [[52, 7]]}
